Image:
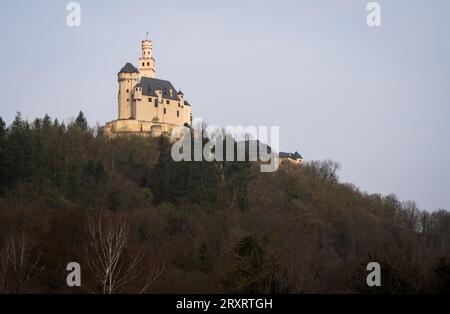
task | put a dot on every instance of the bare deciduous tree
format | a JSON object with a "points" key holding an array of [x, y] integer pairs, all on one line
{"points": [[17, 264], [108, 236]]}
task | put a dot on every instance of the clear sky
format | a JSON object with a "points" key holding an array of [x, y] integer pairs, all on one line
{"points": [[377, 100]]}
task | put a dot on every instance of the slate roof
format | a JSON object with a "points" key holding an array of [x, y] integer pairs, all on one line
{"points": [[149, 85], [284, 155], [128, 68], [295, 155], [267, 149]]}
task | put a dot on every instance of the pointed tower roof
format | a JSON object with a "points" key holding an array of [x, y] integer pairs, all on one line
{"points": [[128, 68]]}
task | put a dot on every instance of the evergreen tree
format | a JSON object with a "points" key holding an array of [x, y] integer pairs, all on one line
{"points": [[3, 129], [81, 122], [20, 153], [3, 163]]}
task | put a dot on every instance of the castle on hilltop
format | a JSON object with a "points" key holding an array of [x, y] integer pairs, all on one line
{"points": [[147, 105]]}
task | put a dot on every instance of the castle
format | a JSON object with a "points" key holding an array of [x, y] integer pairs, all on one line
{"points": [[147, 105], [152, 107]]}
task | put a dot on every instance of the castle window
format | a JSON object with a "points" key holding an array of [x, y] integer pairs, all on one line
{"points": [[148, 63], [179, 105], [149, 99], [167, 102], [128, 90], [164, 110], [156, 103], [128, 99], [143, 63], [178, 113]]}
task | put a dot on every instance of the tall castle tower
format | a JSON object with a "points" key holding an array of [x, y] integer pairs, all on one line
{"points": [[146, 61], [127, 78]]}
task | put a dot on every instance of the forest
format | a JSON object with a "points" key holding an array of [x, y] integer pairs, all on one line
{"points": [[138, 222]]}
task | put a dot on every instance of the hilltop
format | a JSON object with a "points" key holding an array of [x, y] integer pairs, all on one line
{"points": [[198, 226]]}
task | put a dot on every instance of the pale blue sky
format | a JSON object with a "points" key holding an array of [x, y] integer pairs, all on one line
{"points": [[375, 100]]}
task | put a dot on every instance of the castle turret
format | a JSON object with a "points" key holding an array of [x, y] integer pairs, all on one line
{"points": [[146, 61], [186, 108], [127, 78]]}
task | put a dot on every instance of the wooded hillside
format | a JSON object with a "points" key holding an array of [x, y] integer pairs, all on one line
{"points": [[137, 221]]}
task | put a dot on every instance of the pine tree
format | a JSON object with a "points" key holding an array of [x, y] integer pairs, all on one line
{"points": [[20, 153], [3, 128], [3, 163], [81, 122]]}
